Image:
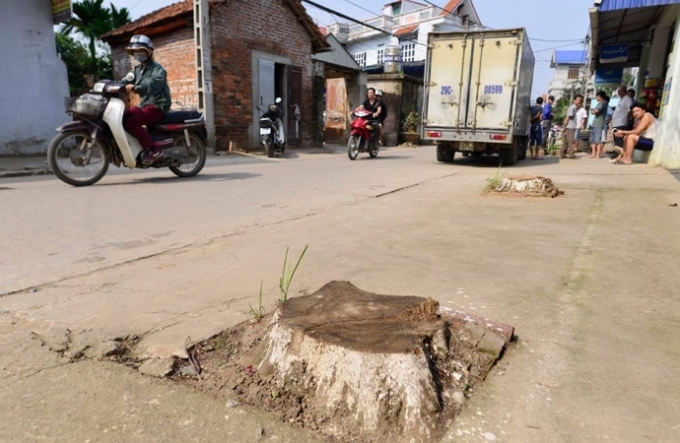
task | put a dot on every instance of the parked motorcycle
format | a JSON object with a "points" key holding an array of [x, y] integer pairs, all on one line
{"points": [[271, 127], [80, 154], [363, 136]]}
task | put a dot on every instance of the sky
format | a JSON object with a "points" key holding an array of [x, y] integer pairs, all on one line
{"points": [[566, 23]]}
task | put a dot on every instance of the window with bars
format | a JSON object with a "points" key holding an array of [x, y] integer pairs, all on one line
{"points": [[573, 72], [360, 58], [381, 56], [408, 52]]}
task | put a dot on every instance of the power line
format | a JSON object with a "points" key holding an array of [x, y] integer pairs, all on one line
{"points": [[557, 47], [346, 17], [575, 40], [361, 7]]}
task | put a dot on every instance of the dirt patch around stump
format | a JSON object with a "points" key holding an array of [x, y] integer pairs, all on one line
{"points": [[354, 366]]}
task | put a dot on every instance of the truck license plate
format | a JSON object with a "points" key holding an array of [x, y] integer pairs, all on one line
{"points": [[466, 146], [265, 131]]}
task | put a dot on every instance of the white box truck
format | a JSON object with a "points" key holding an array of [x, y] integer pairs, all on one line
{"points": [[478, 93]]}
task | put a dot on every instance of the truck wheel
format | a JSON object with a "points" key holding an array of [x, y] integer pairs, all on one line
{"points": [[508, 155], [440, 152], [447, 152], [522, 144]]}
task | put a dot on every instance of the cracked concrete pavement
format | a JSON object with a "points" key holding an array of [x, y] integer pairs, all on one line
{"points": [[588, 280]]}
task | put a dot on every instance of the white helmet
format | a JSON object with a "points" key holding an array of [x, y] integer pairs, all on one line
{"points": [[378, 92], [140, 41]]}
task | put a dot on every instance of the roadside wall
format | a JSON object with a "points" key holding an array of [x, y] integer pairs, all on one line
{"points": [[33, 78]]}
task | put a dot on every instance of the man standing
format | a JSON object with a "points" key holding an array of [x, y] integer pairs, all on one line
{"points": [[546, 124], [596, 132], [621, 115], [573, 122], [535, 137]]}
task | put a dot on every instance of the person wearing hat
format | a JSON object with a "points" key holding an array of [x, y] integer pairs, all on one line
{"points": [[383, 114], [151, 84]]}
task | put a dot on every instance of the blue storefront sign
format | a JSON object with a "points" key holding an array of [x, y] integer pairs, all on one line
{"points": [[605, 76], [614, 54]]}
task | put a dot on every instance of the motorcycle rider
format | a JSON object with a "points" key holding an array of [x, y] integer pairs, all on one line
{"points": [[382, 116], [151, 84], [372, 104]]}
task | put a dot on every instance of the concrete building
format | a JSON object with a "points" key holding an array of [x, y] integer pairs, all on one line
{"points": [[643, 34], [406, 24], [259, 51], [33, 78], [571, 73]]}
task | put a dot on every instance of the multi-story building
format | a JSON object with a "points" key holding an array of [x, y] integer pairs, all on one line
{"points": [[571, 73], [404, 23]]}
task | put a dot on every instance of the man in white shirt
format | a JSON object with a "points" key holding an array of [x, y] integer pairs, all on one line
{"points": [[642, 137], [574, 121], [622, 114]]}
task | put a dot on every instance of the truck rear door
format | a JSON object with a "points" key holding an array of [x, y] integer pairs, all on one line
{"points": [[492, 89], [448, 85]]}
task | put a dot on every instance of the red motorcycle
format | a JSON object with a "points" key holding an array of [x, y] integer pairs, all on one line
{"points": [[364, 135]]}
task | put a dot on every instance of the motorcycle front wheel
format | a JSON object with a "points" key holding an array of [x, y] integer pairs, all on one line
{"points": [[196, 151], [269, 145], [353, 147], [76, 159]]}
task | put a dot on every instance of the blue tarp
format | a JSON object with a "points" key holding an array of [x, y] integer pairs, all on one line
{"points": [[614, 5]]}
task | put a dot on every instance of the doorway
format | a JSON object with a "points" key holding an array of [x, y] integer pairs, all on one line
{"points": [[270, 80]]}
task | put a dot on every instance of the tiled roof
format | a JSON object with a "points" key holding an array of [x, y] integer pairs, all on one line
{"points": [[451, 7], [171, 11], [184, 7], [405, 31]]}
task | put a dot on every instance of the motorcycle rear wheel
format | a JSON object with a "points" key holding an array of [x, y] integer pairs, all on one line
{"points": [[197, 148], [353, 147], [269, 146], [67, 156], [374, 151]]}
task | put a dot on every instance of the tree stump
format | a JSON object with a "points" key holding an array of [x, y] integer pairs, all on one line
{"points": [[366, 357]]}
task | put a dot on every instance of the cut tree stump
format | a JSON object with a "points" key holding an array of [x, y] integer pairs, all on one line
{"points": [[375, 367]]}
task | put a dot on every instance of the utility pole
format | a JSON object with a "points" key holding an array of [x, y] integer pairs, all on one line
{"points": [[204, 85]]}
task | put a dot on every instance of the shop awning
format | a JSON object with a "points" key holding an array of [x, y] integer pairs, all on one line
{"points": [[613, 5], [623, 24]]}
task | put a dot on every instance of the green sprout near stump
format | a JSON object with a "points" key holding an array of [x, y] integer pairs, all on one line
{"points": [[287, 275], [259, 313], [494, 182]]}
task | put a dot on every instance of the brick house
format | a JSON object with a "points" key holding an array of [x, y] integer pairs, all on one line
{"points": [[260, 49]]}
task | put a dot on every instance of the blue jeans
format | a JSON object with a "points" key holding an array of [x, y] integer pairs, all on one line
{"points": [[535, 136]]}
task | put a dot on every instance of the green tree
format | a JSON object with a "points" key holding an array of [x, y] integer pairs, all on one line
{"points": [[75, 55], [93, 20]]}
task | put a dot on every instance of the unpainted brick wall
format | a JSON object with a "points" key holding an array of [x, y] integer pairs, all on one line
{"points": [[175, 52], [238, 28]]}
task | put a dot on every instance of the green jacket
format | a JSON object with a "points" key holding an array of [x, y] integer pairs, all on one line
{"points": [[152, 86]]}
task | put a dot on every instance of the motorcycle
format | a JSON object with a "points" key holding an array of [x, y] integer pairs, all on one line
{"points": [[271, 127], [80, 154], [363, 136]]}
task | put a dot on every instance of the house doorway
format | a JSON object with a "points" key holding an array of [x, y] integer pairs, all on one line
{"points": [[275, 76]]}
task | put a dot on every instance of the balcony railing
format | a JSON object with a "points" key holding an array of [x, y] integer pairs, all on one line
{"points": [[386, 23]]}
